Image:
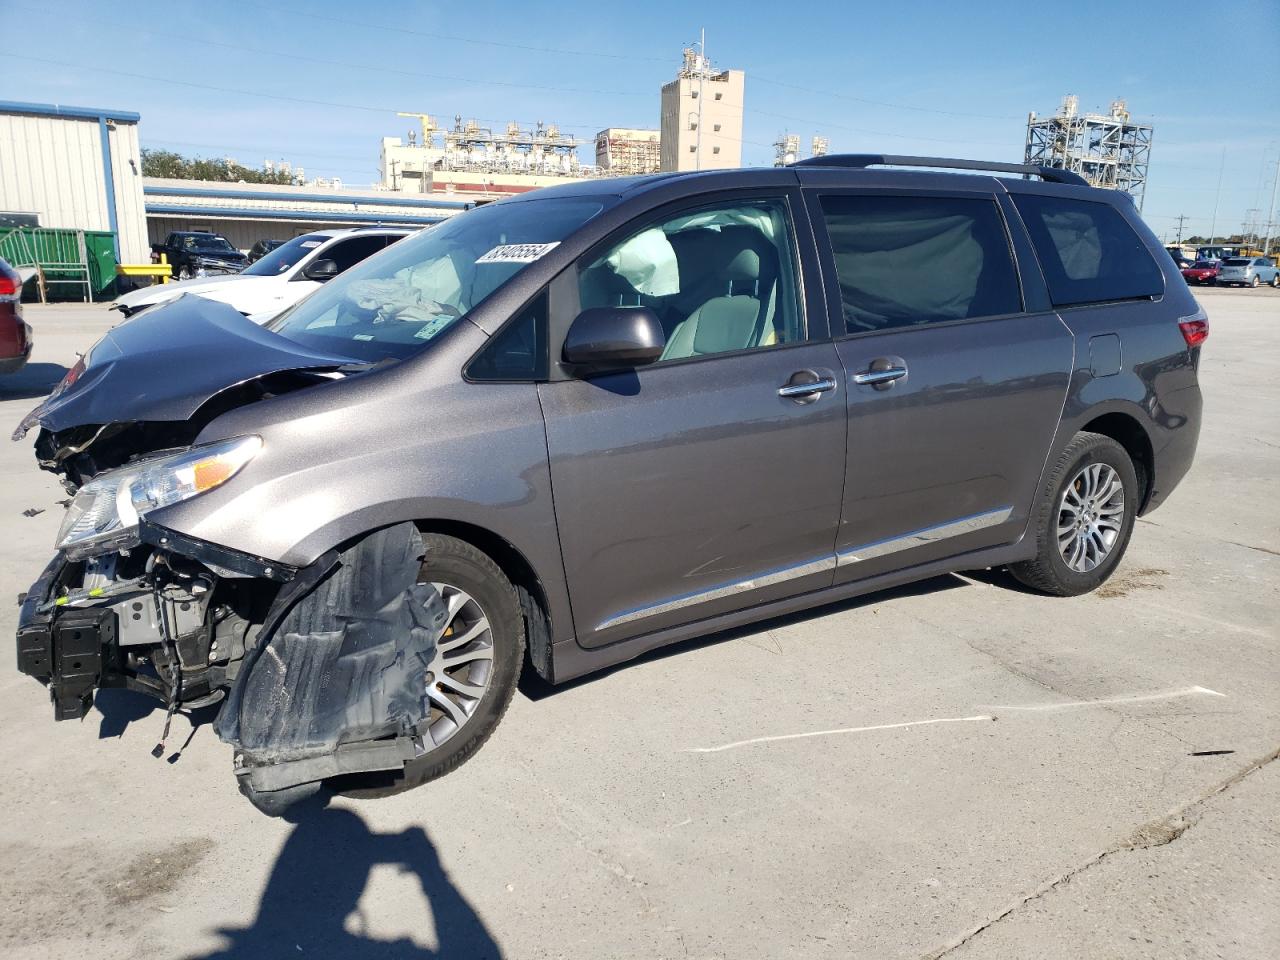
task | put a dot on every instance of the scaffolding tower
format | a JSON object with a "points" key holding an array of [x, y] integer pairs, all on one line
{"points": [[1108, 150]]}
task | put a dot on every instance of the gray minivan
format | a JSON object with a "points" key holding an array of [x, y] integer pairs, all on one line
{"points": [[584, 423]]}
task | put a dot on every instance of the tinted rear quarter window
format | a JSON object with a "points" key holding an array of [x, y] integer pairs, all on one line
{"points": [[906, 261], [1089, 252]]}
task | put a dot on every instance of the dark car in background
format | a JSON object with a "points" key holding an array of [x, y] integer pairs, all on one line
{"points": [[1202, 271], [594, 420], [262, 248], [193, 253], [15, 333]]}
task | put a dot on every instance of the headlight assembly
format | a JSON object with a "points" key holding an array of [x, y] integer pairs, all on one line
{"points": [[104, 514]]}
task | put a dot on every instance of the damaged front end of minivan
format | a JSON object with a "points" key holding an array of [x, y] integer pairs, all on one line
{"points": [[321, 671]]}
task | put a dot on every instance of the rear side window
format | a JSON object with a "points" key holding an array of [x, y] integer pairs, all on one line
{"points": [[1088, 251], [904, 261]]}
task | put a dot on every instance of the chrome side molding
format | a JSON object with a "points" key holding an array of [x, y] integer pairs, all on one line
{"points": [[916, 538], [767, 579]]}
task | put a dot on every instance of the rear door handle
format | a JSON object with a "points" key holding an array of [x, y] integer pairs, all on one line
{"points": [[883, 370], [797, 391]]}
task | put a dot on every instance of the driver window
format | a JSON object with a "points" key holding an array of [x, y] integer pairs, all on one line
{"points": [[719, 278], [347, 253]]}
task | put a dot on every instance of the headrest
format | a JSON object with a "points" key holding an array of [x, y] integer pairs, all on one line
{"points": [[744, 266]]}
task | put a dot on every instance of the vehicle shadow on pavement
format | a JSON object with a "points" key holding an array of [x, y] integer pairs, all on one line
{"points": [[317, 882], [35, 381], [535, 688]]}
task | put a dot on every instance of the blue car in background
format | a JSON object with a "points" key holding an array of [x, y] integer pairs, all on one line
{"points": [[1248, 272]]}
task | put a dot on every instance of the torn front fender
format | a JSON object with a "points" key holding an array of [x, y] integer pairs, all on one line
{"points": [[337, 682]]}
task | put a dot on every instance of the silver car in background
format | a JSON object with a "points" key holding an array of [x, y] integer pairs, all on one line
{"points": [[1249, 272]]}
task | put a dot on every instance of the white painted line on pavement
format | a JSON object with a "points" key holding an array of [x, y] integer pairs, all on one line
{"points": [[1137, 698], [828, 733]]}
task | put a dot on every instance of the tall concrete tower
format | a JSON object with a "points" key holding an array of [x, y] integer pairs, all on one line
{"points": [[702, 116]]}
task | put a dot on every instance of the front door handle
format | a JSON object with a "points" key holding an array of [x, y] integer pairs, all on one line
{"points": [[881, 371], [800, 391]]}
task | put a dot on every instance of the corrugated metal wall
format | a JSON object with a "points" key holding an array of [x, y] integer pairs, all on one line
{"points": [[52, 166], [126, 161]]}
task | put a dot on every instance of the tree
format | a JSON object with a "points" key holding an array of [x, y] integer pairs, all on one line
{"points": [[174, 166]]}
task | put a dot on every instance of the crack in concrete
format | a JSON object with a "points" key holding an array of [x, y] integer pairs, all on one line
{"points": [[1155, 833]]}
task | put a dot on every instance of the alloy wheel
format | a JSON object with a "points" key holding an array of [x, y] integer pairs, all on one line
{"points": [[1090, 516], [459, 674]]}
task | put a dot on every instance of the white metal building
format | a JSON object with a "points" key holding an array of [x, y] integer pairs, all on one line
{"points": [[74, 168]]}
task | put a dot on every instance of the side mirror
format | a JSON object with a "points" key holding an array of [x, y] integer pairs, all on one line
{"points": [[614, 338], [320, 270]]}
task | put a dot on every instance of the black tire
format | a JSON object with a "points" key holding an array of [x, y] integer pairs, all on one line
{"points": [[1275, 279], [1255, 281], [1048, 571], [458, 564], [186, 273]]}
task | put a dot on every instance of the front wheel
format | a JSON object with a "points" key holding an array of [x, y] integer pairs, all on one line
{"points": [[186, 273], [473, 674], [1083, 518], [1275, 279]]}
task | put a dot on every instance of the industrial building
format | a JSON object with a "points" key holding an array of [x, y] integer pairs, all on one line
{"points": [[786, 149], [1108, 150], [626, 152], [472, 160], [702, 116], [73, 168]]}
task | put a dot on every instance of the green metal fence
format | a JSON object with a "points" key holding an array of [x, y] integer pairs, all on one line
{"points": [[73, 264]]}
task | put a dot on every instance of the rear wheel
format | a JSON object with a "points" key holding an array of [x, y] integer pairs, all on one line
{"points": [[1084, 518], [1255, 281], [473, 674]]}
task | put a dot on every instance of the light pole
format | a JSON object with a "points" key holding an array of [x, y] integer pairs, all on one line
{"points": [[701, 63], [1271, 210]]}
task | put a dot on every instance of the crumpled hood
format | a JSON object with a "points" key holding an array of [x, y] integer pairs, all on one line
{"points": [[162, 365], [203, 286]]}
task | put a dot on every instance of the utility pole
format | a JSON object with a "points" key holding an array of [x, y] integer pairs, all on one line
{"points": [[1271, 210], [1181, 218], [702, 73], [1213, 224]]}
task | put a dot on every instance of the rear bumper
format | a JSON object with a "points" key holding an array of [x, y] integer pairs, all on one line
{"points": [[1179, 423], [14, 364], [19, 351]]}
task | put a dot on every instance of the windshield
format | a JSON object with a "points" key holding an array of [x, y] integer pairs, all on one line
{"points": [[284, 256], [395, 303], [207, 242]]}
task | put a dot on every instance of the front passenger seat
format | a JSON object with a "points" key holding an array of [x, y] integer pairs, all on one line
{"points": [[724, 323]]}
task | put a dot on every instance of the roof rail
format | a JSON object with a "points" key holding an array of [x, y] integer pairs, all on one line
{"points": [[864, 160]]}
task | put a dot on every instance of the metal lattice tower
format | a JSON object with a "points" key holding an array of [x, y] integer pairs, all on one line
{"points": [[1108, 150]]}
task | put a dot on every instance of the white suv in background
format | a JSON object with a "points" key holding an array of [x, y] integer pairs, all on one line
{"points": [[281, 278]]}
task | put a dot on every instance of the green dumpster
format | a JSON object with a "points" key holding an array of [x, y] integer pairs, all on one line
{"points": [[100, 248]]}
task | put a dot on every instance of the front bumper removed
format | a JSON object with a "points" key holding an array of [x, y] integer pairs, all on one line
{"points": [[332, 681]]}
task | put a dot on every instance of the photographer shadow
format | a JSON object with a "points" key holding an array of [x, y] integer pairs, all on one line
{"points": [[317, 882]]}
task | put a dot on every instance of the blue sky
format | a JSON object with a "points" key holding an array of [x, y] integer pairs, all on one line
{"points": [[946, 78]]}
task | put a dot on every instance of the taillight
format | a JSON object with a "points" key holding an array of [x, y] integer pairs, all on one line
{"points": [[9, 287], [1195, 328]]}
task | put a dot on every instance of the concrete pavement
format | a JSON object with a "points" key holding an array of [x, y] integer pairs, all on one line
{"points": [[1119, 804]]}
